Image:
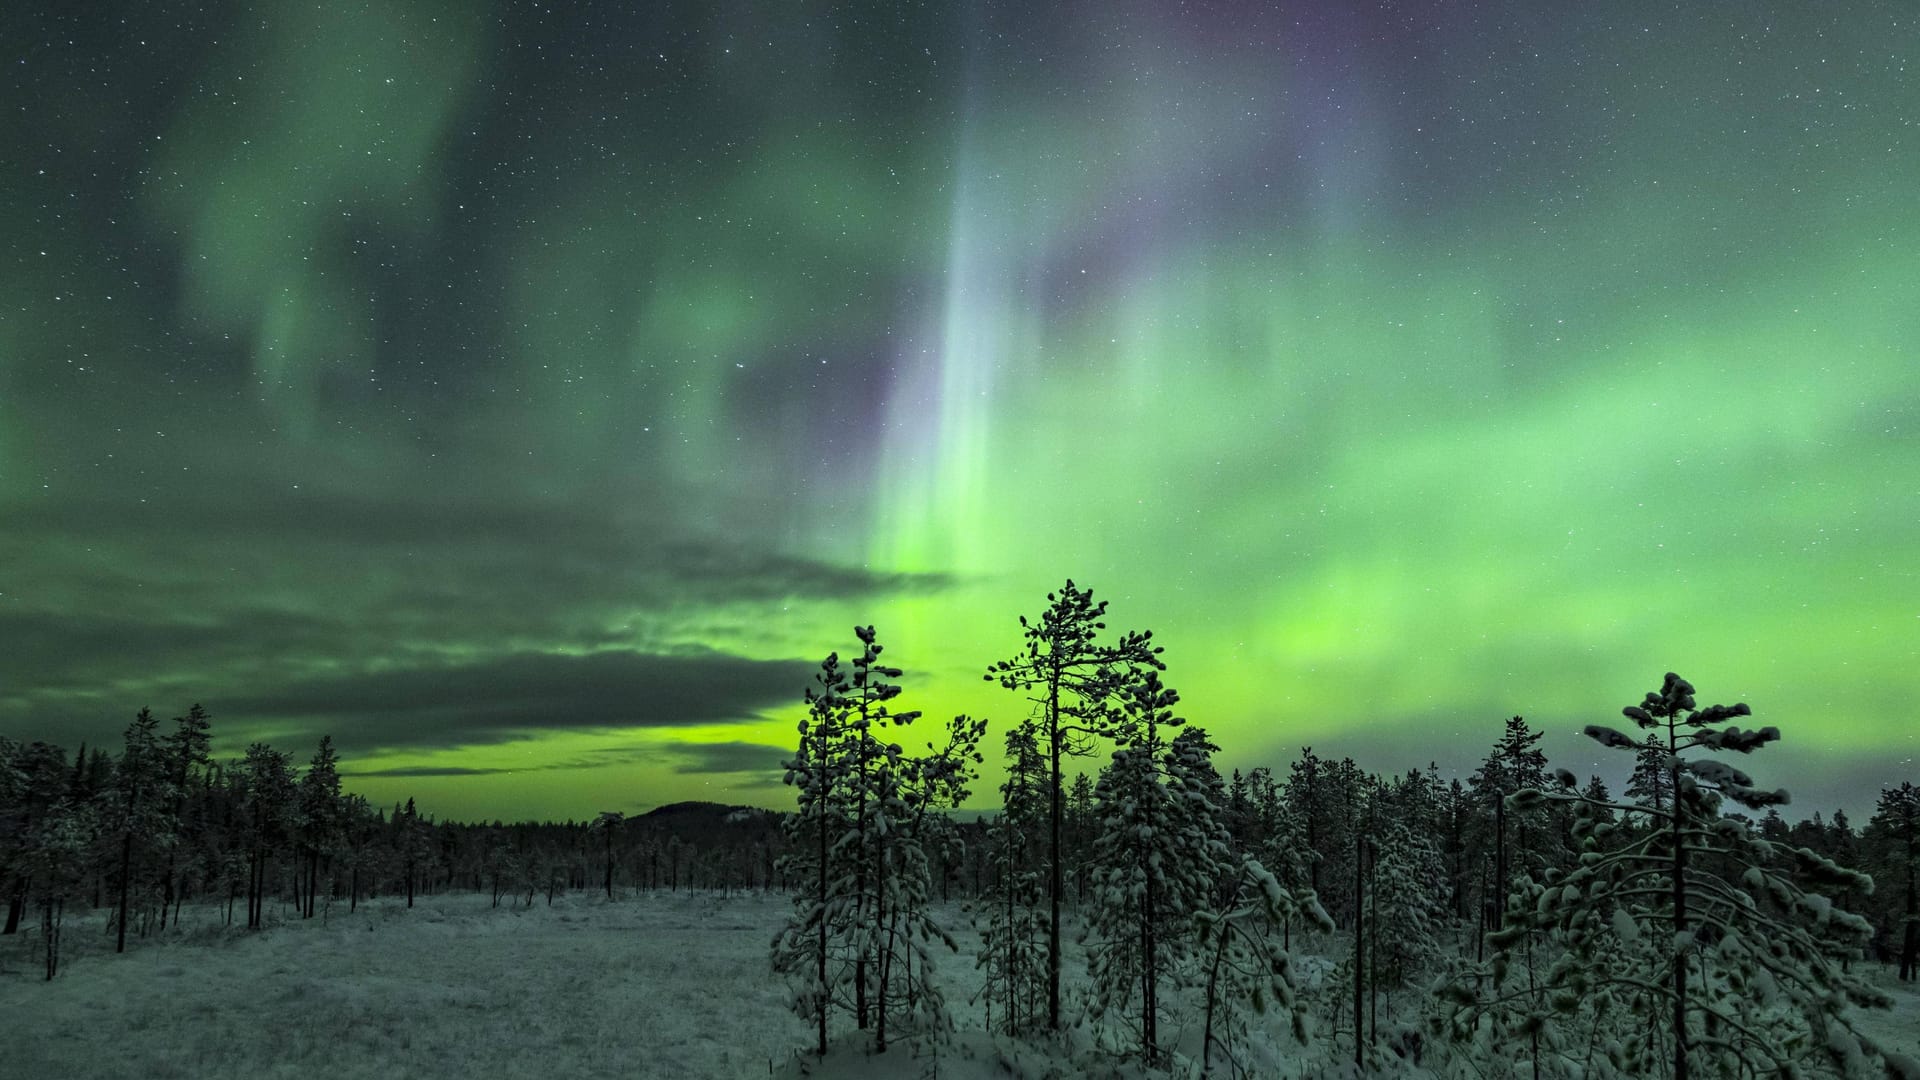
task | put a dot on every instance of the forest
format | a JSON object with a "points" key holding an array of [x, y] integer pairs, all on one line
{"points": [[1124, 904]]}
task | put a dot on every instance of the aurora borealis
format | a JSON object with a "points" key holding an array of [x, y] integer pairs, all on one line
{"points": [[531, 396]]}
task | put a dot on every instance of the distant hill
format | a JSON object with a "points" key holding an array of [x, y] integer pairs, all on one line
{"points": [[706, 823], [720, 813]]}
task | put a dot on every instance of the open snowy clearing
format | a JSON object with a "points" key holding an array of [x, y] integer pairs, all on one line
{"points": [[655, 985], [670, 985]]}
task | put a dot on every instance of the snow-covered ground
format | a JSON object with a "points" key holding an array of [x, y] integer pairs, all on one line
{"points": [[654, 985], [674, 985]]}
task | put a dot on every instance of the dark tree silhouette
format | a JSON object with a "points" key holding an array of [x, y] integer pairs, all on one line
{"points": [[1893, 838], [1076, 681], [608, 826], [186, 753], [140, 786]]}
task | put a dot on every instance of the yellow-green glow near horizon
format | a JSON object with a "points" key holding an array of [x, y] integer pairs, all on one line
{"points": [[531, 401]]}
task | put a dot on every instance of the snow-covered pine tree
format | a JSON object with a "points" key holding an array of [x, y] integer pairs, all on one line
{"points": [[1892, 848], [1514, 843], [47, 840], [608, 825], [860, 849], [1596, 794], [1074, 680], [1080, 822], [1456, 821], [319, 817], [1747, 982], [1280, 848], [360, 825], [804, 947], [908, 789], [137, 809], [14, 817], [267, 789], [1409, 895], [1148, 879], [186, 752], [1651, 782], [1313, 807], [1238, 908], [874, 770], [56, 865], [1263, 814], [1013, 932], [13, 802], [410, 844]]}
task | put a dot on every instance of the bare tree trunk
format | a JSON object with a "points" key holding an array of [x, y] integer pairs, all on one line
{"points": [[1679, 925], [1910, 937], [50, 922], [1149, 977], [820, 945], [886, 955], [254, 872], [860, 884], [1213, 998], [1359, 950], [1500, 872], [166, 888], [1055, 882], [1373, 955], [126, 880]]}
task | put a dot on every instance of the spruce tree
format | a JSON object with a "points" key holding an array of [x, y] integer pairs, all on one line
{"points": [[1513, 842], [1651, 782]]}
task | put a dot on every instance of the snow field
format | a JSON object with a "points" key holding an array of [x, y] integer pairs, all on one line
{"points": [[664, 985], [674, 985]]}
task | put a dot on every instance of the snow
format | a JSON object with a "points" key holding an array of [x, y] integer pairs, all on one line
{"points": [[654, 985], [669, 985]]}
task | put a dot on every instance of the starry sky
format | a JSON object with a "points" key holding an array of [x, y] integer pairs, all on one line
{"points": [[530, 395]]}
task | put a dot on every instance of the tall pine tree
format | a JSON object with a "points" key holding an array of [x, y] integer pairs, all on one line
{"points": [[1076, 681]]}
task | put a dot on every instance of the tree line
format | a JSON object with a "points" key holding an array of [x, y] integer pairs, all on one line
{"points": [[139, 834], [1681, 928], [1624, 935]]}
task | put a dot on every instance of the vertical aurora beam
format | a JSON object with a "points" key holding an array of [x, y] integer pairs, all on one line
{"points": [[935, 509]]}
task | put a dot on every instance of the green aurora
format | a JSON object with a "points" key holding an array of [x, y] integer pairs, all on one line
{"points": [[530, 399]]}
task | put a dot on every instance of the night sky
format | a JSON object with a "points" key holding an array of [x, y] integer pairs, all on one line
{"points": [[530, 396]]}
